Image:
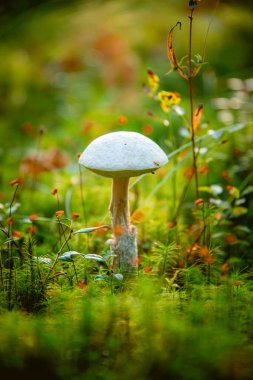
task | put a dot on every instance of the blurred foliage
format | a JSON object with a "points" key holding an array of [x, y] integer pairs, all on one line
{"points": [[145, 335]]}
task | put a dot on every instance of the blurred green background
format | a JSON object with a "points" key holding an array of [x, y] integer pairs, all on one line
{"points": [[74, 66]]}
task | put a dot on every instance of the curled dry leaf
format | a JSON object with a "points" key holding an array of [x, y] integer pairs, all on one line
{"points": [[175, 65]]}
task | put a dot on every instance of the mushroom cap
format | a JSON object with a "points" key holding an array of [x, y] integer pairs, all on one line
{"points": [[123, 154]]}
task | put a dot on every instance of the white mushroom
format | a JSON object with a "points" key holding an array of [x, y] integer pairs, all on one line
{"points": [[121, 155]]}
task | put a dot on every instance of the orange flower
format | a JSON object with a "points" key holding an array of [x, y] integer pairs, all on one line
{"points": [[27, 128], [88, 125], [122, 119], [17, 234], [147, 269], [54, 191], [59, 213], [82, 284], [209, 260], [118, 230], [204, 251], [204, 169], [225, 174], [32, 229], [136, 260], [75, 215], [172, 224], [16, 181], [225, 267], [147, 129], [9, 221], [137, 216], [33, 217], [199, 202], [188, 172], [230, 239]]}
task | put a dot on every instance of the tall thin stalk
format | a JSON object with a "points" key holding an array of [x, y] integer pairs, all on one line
{"points": [[194, 157]]}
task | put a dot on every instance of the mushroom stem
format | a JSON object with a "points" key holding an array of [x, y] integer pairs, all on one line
{"points": [[124, 245]]}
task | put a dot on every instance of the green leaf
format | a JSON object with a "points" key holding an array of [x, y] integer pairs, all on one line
{"points": [[68, 256], [238, 211], [243, 229], [93, 256], [90, 229], [100, 278], [43, 260], [235, 128], [118, 276], [248, 190]]}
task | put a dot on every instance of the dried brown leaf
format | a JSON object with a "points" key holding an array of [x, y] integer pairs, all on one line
{"points": [[175, 65]]}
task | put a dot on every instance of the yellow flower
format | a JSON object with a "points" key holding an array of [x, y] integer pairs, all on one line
{"points": [[168, 99], [153, 81]]}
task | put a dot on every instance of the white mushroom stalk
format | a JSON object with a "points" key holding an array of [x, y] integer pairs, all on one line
{"points": [[124, 244], [121, 155]]}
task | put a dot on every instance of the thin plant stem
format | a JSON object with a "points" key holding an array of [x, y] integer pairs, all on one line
{"points": [[74, 267], [1, 270], [57, 257], [10, 245], [82, 197], [83, 204], [191, 108]]}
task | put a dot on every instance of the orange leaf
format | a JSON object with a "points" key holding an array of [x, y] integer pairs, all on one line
{"points": [[171, 54], [197, 116]]}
